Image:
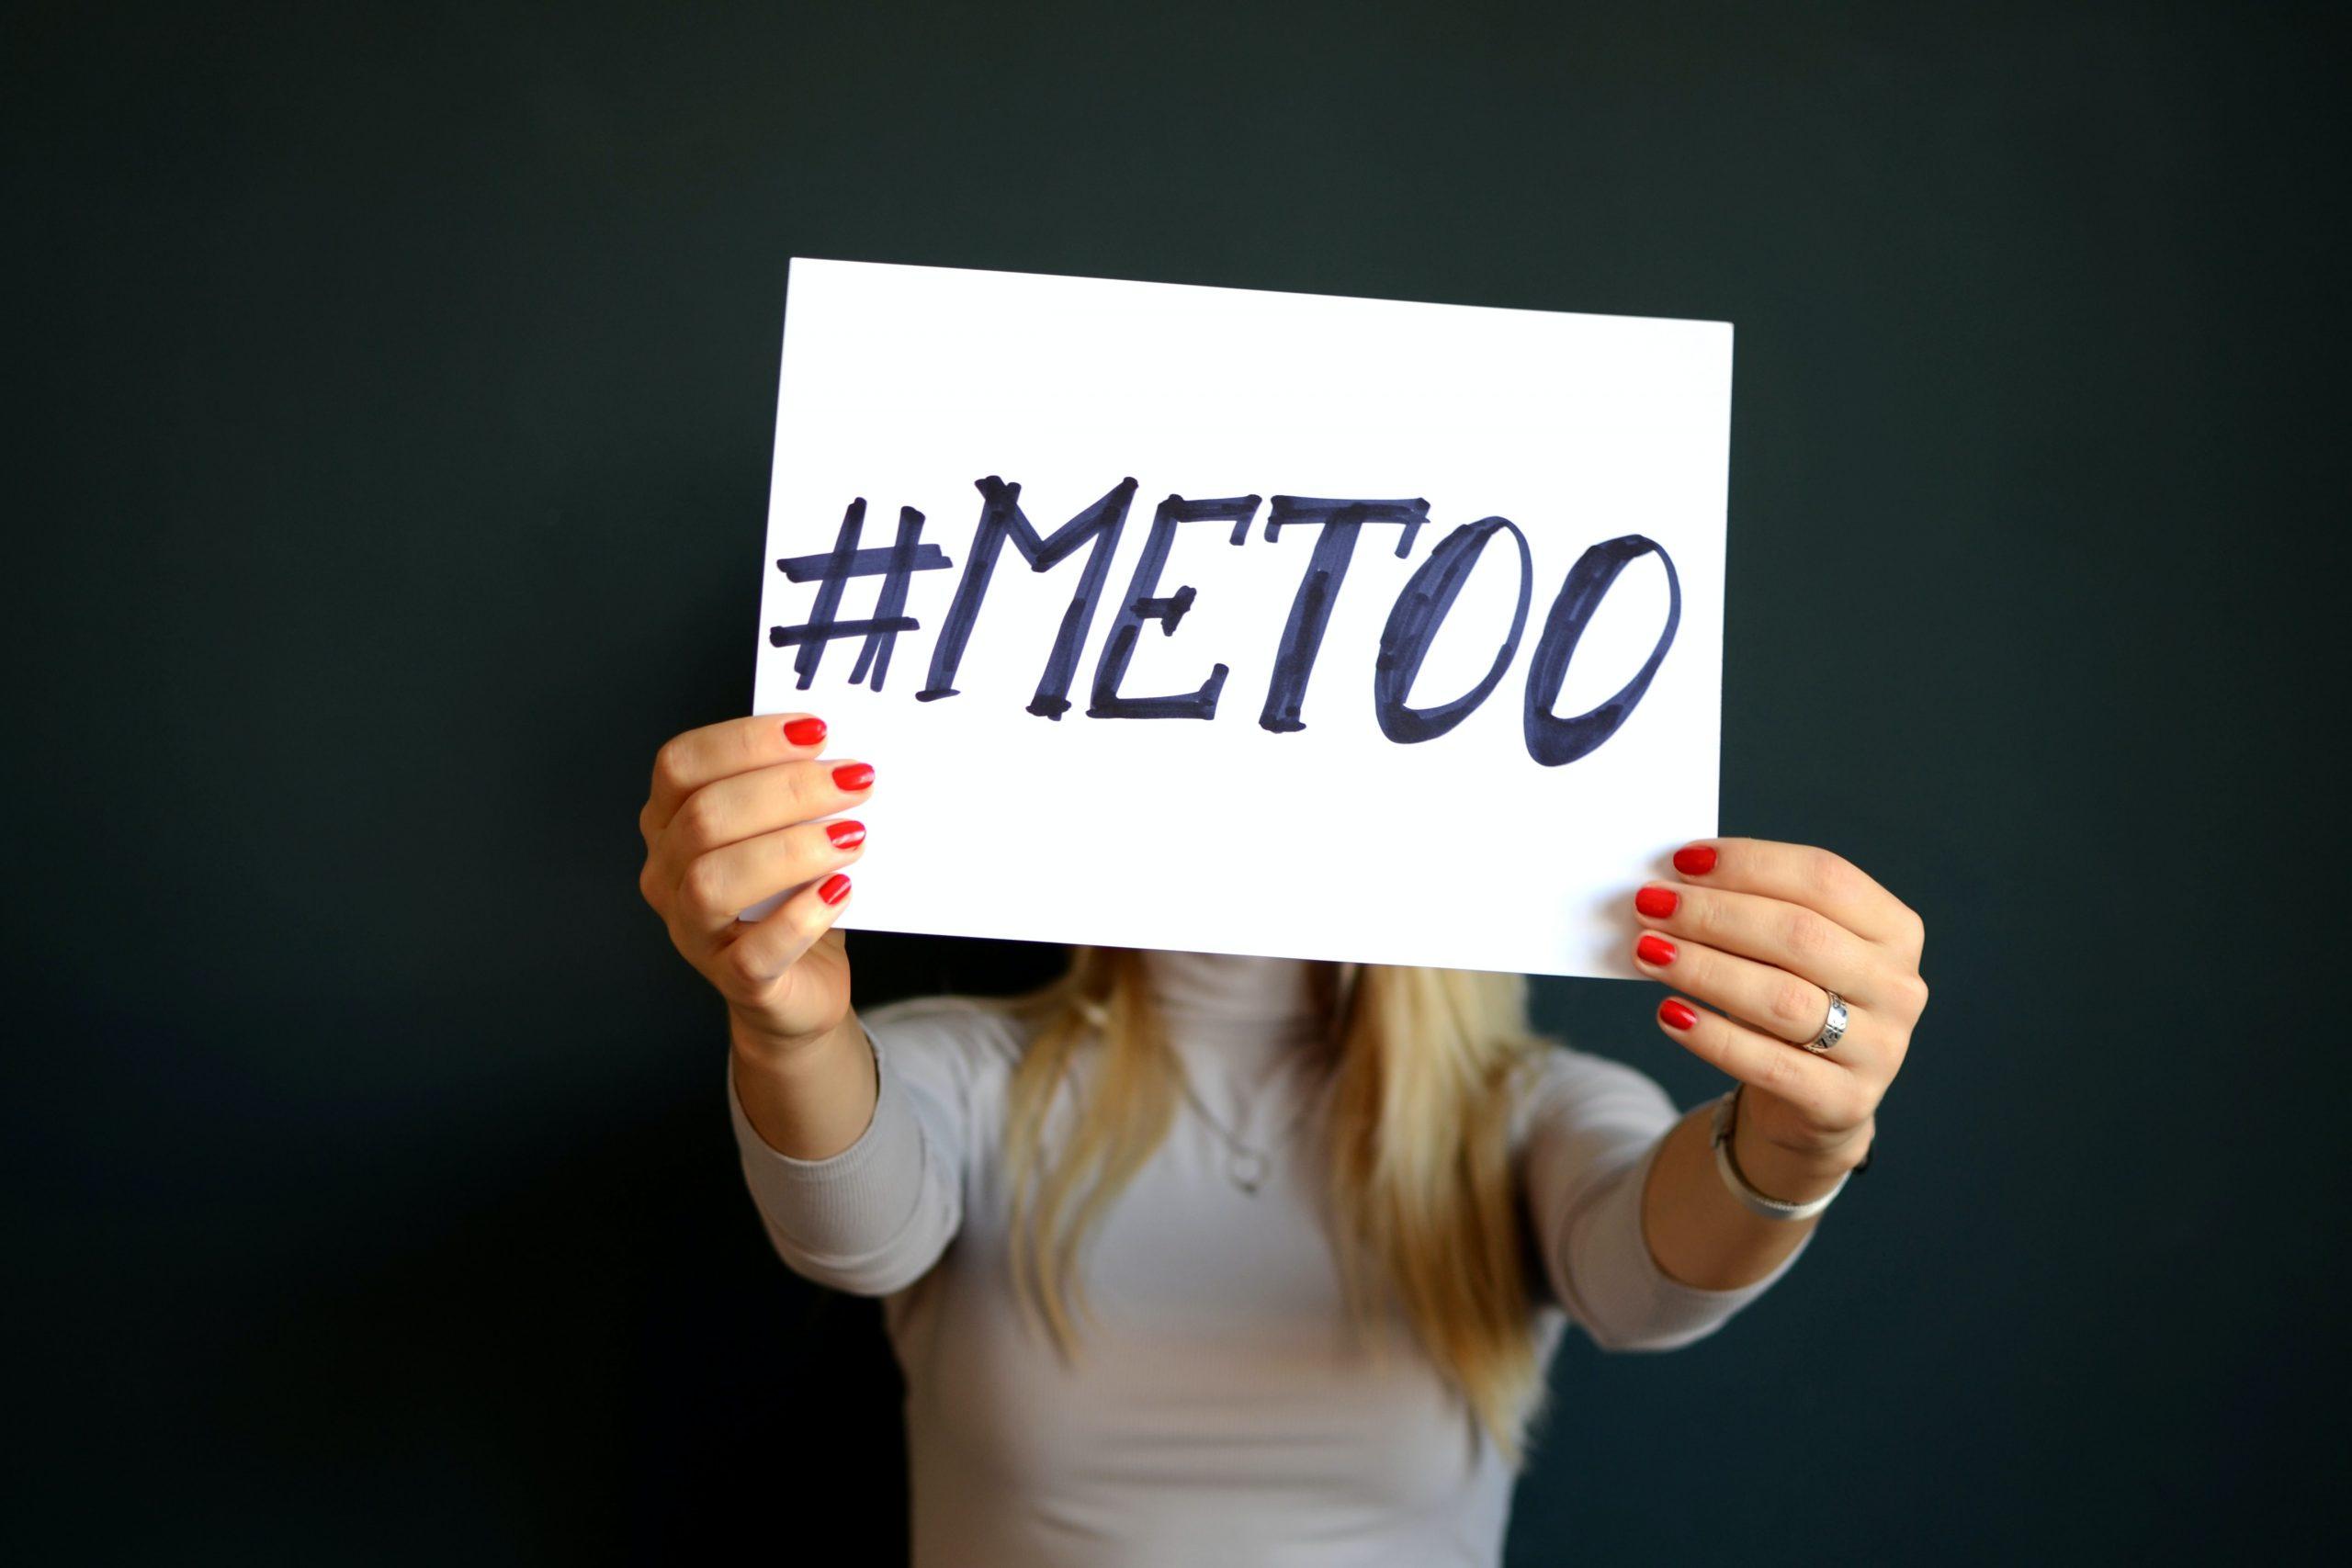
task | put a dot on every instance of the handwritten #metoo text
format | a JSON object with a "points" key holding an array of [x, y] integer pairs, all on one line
{"points": [[1413, 621]]}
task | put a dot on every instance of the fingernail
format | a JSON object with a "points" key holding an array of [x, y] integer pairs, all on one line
{"points": [[845, 834], [835, 889], [1677, 1015], [805, 731], [1654, 950], [1695, 860], [1657, 902], [853, 775]]}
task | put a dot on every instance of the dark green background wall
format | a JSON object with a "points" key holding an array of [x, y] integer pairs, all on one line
{"points": [[390, 392]]}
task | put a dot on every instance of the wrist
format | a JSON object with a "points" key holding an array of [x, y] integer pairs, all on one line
{"points": [[813, 1100], [764, 1050], [1796, 1175]]}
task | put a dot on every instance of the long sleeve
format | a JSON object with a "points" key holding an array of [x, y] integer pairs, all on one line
{"points": [[1593, 1128], [873, 1218]]}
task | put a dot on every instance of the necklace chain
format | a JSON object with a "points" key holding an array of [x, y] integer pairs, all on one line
{"points": [[1251, 1164]]}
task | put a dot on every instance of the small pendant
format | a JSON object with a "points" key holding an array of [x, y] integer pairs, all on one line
{"points": [[1246, 1169]]}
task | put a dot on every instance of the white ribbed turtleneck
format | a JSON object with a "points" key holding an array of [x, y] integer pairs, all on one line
{"points": [[1227, 988], [1249, 1034], [1221, 1411]]}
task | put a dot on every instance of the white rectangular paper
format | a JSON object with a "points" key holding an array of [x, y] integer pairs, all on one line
{"points": [[908, 387]]}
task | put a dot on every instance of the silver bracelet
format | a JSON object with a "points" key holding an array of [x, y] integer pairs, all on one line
{"points": [[1726, 1109]]}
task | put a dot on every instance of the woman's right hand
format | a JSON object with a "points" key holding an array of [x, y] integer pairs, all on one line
{"points": [[731, 821]]}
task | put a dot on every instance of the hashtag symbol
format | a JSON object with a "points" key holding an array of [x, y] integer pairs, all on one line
{"points": [[835, 567]]}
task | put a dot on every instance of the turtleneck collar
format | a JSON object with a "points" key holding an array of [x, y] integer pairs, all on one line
{"points": [[1247, 1030], [1226, 991]]}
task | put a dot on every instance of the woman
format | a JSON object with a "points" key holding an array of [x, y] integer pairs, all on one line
{"points": [[1197, 1259]]}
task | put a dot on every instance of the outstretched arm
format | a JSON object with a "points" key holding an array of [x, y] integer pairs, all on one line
{"points": [[1765, 932], [1598, 1142], [854, 1167], [739, 815]]}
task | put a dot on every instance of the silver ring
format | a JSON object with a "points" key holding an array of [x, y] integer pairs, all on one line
{"points": [[1833, 1029]]}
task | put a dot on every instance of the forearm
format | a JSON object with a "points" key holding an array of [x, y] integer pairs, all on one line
{"points": [[1703, 1235], [810, 1100]]}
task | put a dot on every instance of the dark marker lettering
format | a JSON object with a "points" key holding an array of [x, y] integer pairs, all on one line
{"points": [[1143, 605], [1001, 518], [1413, 622], [835, 568], [1552, 740], [1327, 569]]}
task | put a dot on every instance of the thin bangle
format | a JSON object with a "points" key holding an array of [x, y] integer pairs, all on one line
{"points": [[1727, 1111]]}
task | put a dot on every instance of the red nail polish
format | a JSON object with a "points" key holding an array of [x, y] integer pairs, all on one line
{"points": [[1696, 861], [1657, 902], [1677, 1014], [835, 889], [1656, 950], [805, 731], [853, 775], [845, 834]]}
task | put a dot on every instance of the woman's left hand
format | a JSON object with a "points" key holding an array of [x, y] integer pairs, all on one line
{"points": [[1763, 932]]}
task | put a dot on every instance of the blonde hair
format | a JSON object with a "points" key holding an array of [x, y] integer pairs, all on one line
{"points": [[1419, 1175]]}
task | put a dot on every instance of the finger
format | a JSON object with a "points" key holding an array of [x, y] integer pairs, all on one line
{"points": [[1787, 1006], [747, 805], [1822, 1093], [688, 761], [1798, 874], [1787, 936], [772, 944], [720, 885]]}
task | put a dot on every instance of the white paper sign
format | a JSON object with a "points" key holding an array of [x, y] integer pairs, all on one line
{"points": [[1231, 706]]}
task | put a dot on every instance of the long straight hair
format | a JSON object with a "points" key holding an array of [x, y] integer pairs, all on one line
{"points": [[1419, 1178]]}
